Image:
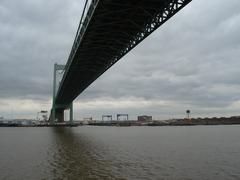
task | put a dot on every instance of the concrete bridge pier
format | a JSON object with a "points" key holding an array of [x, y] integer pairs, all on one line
{"points": [[57, 113]]}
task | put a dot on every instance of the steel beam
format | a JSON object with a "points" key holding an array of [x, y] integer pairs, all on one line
{"points": [[108, 31]]}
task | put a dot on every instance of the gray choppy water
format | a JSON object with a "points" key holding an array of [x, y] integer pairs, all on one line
{"points": [[200, 152]]}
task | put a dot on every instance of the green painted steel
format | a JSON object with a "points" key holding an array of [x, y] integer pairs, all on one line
{"points": [[59, 107], [108, 30]]}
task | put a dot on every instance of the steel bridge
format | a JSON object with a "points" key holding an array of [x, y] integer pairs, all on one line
{"points": [[108, 30]]}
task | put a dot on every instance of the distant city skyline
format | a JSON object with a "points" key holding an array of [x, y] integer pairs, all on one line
{"points": [[191, 62]]}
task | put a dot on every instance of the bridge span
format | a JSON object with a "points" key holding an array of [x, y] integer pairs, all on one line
{"points": [[108, 30]]}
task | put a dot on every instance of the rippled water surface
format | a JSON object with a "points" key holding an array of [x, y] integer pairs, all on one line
{"points": [[200, 152]]}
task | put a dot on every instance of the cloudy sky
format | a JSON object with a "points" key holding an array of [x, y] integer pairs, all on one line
{"points": [[191, 62]]}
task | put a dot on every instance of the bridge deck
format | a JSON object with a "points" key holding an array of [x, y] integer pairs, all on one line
{"points": [[110, 30]]}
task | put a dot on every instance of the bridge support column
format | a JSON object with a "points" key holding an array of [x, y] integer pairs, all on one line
{"points": [[57, 111], [71, 113], [52, 116], [59, 115]]}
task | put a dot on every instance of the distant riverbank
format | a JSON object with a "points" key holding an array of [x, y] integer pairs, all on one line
{"points": [[172, 122]]}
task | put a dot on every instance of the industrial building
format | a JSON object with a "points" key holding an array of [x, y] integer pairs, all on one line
{"points": [[144, 119]]}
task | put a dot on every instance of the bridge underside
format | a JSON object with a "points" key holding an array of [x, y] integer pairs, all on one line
{"points": [[111, 29]]}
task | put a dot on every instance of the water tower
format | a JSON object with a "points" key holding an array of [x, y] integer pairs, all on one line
{"points": [[188, 112]]}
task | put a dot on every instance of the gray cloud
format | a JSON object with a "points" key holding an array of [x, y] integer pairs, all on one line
{"points": [[191, 61], [34, 34]]}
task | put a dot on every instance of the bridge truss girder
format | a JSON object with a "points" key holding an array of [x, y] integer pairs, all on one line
{"points": [[110, 30]]}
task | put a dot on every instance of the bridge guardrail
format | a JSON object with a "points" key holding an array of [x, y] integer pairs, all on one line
{"points": [[88, 11]]}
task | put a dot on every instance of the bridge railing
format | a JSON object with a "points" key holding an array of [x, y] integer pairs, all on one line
{"points": [[88, 11]]}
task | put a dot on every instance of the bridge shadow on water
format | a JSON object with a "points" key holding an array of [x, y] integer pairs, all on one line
{"points": [[74, 156]]}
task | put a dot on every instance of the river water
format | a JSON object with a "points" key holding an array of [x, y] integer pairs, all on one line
{"points": [[134, 153]]}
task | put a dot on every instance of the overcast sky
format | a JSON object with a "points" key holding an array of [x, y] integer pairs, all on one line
{"points": [[191, 62]]}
